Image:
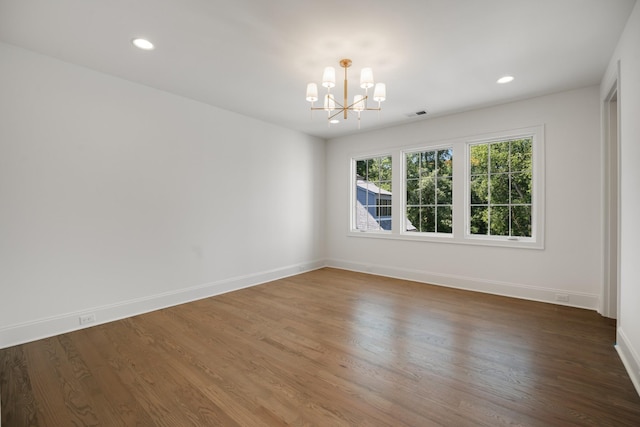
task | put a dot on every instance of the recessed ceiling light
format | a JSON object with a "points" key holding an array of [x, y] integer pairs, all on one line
{"points": [[143, 44], [505, 79], [334, 121]]}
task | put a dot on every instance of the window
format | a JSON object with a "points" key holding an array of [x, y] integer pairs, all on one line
{"points": [[372, 207], [500, 202], [429, 191], [385, 208], [485, 190]]}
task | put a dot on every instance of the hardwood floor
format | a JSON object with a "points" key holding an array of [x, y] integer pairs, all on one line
{"points": [[328, 348]]}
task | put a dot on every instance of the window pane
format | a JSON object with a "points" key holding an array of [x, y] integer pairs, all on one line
{"points": [[383, 208], [369, 199], [413, 219], [499, 157], [521, 221], [479, 190], [361, 168], [445, 162], [431, 191], [507, 185], [521, 155], [385, 223], [445, 191], [372, 207], [499, 220], [413, 165], [521, 188], [499, 188], [413, 194], [384, 186], [373, 170], [385, 168], [428, 191], [479, 220], [479, 159], [427, 219], [428, 162], [444, 223]]}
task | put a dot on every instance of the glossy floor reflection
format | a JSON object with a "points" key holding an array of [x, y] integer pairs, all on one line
{"points": [[328, 348]]}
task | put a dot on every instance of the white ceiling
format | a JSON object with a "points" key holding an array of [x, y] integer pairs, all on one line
{"points": [[255, 57]]}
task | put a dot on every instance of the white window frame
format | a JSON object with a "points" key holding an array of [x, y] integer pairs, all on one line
{"points": [[537, 192], [461, 192], [403, 219]]}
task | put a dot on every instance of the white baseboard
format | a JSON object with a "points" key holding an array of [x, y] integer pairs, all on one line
{"points": [[533, 293], [46, 327], [630, 358]]}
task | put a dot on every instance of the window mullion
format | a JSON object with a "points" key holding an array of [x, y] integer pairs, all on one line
{"points": [[398, 188]]}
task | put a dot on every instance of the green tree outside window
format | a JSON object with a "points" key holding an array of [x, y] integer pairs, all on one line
{"points": [[429, 185], [500, 188]]}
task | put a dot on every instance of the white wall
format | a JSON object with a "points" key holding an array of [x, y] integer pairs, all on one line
{"points": [[628, 55], [116, 198], [570, 263]]}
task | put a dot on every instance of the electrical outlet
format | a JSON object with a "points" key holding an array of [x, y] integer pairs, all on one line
{"points": [[87, 318], [562, 297]]}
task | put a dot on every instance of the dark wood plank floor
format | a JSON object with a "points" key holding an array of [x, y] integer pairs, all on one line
{"points": [[328, 348]]}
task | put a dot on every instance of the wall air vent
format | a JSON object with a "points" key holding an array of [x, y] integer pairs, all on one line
{"points": [[417, 113]]}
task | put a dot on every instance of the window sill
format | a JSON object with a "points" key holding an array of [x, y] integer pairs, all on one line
{"points": [[448, 238]]}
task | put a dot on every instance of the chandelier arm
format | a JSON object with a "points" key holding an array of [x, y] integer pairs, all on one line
{"points": [[340, 107], [350, 107], [338, 112]]}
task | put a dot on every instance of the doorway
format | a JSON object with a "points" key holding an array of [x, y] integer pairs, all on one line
{"points": [[611, 294]]}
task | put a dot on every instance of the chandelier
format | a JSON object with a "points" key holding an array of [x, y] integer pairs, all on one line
{"points": [[360, 101]]}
